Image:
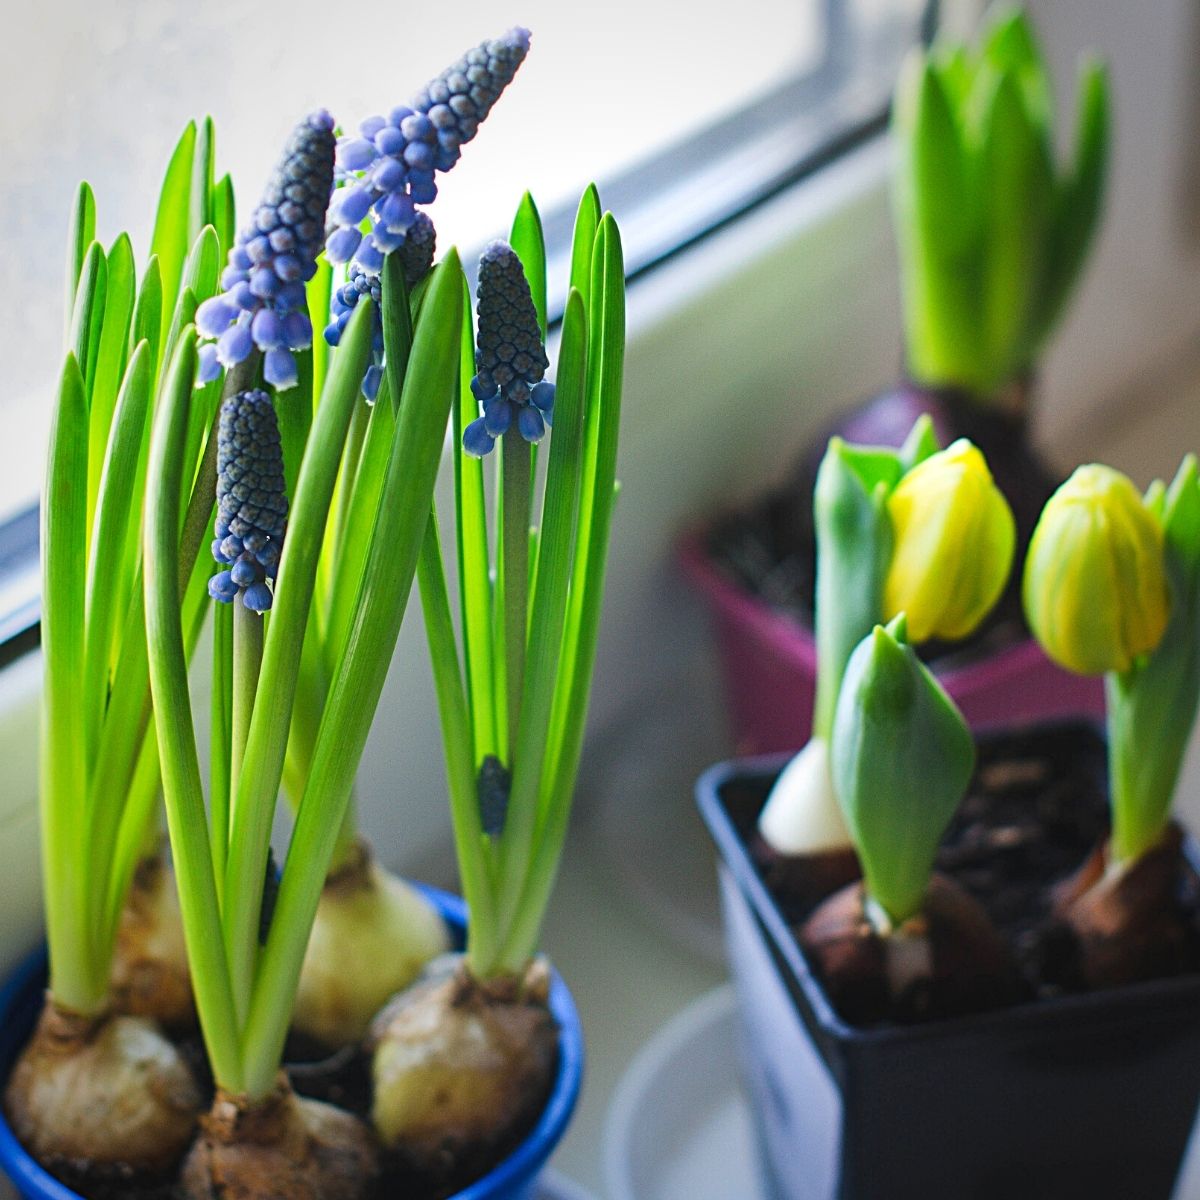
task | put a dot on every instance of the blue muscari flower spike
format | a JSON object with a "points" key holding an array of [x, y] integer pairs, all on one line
{"points": [[251, 503], [391, 167], [510, 357], [416, 256], [262, 304]]}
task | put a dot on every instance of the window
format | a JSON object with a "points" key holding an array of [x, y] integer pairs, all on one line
{"points": [[684, 120]]}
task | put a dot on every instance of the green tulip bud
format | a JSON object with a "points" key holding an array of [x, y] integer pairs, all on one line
{"points": [[902, 756], [954, 537], [1095, 589]]}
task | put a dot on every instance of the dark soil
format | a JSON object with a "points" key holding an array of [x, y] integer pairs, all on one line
{"points": [[1034, 811], [769, 548]]}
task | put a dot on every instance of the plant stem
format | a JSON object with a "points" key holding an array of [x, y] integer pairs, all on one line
{"points": [[247, 664], [516, 455]]}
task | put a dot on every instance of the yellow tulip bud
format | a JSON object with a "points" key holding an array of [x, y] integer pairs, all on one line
{"points": [[1095, 589], [953, 542]]}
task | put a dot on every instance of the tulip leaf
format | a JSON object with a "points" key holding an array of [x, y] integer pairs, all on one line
{"points": [[82, 234], [529, 244], [170, 240], [901, 758]]}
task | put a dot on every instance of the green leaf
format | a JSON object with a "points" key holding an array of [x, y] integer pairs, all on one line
{"points": [[87, 322], [111, 352], [1078, 200], [74, 978], [147, 314], [1017, 214], [397, 323], [921, 443], [358, 681], [82, 232], [294, 412], [116, 509], [938, 231], [1011, 48], [477, 601], [224, 214], [170, 240], [320, 293], [901, 758], [529, 243], [587, 221], [200, 209], [854, 549]]}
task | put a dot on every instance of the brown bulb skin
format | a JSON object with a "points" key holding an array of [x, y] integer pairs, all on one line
{"points": [[945, 962], [801, 881], [1127, 925]]}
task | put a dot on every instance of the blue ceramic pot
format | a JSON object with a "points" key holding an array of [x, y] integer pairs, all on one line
{"points": [[1083, 1097], [511, 1179]]}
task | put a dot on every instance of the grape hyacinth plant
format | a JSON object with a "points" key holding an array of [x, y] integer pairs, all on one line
{"points": [[1112, 587], [118, 977], [513, 704], [263, 303], [246, 935]]}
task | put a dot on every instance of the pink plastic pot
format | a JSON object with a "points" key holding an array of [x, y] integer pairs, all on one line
{"points": [[769, 664]]}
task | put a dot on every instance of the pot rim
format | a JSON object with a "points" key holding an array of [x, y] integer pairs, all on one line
{"points": [[515, 1170], [1115, 1004]]}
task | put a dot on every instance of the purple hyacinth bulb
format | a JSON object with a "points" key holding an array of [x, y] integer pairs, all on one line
{"points": [[273, 258], [392, 165], [251, 504], [510, 357]]}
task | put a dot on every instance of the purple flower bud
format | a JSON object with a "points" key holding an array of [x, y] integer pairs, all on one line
{"points": [[369, 257], [257, 598], [371, 381], [264, 283], [244, 572], [371, 126], [497, 417], [297, 330], [477, 442], [388, 174], [231, 277], [279, 368], [234, 345], [288, 267], [214, 315], [239, 258], [221, 587], [355, 154], [386, 240], [419, 155], [424, 192], [243, 297], [267, 329], [396, 212], [351, 204], [530, 424], [541, 395], [342, 244], [389, 140], [209, 366]]}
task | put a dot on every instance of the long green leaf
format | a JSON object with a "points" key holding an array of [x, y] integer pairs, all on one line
{"points": [[587, 221], [74, 980], [170, 240], [529, 242], [117, 501], [110, 363], [186, 817], [87, 323], [200, 209], [82, 234], [147, 315], [224, 214]]}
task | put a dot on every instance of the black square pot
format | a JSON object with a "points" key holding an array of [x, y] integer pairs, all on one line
{"points": [[1082, 1096]]}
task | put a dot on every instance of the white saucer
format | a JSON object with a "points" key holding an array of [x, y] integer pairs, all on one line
{"points": [[679, 1125]]}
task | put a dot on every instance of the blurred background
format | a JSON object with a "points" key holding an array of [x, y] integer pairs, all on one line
{"points": [[744, 150]]}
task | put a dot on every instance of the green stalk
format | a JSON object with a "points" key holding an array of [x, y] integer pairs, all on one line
{"points": [[173, 718], [515, 548], [221, 750], [400, 527], [247, 664]]}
